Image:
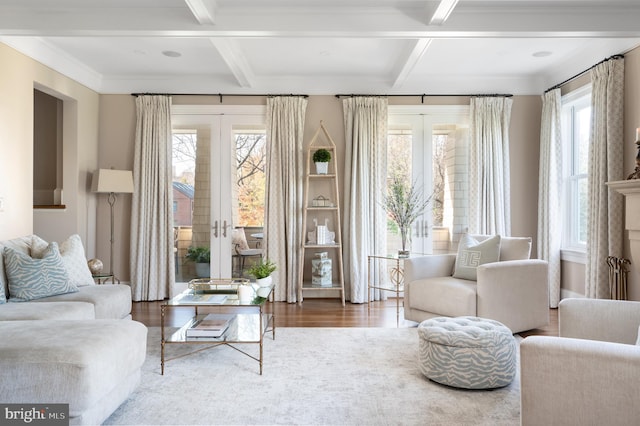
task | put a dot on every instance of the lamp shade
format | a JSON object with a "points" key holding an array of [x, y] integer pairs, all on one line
{"points": [[109, 180]]}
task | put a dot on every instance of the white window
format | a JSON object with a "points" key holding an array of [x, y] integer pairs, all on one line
{"points": [[576, 124]]}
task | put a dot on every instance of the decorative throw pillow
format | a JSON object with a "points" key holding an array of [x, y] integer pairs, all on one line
{"points": [[31, 278], [73, 257], [472, 254]]}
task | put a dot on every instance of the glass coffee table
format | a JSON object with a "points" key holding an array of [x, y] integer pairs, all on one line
{"points": [[249, 320]]}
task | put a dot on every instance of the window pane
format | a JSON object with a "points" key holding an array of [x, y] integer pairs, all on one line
{"points": [[398, 164], [250, 177], [582, 134]]}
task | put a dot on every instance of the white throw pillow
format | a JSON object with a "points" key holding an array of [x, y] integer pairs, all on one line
{"points": [[73, 257], [472, 253], [515, 248]]}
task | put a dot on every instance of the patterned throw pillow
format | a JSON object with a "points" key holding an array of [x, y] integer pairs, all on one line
{"points": [[31, 278], [472, 254], [73, 256]]}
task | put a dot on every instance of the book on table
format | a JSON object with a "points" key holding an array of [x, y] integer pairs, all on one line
{"points": [[213, 325], [213, 299]]}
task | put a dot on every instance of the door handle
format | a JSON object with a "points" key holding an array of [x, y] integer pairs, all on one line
{"points": [[224, 229], [425, 229], [215, 229], [417, 229]]}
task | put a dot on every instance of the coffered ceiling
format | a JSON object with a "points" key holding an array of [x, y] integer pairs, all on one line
{"points": [[320, 46]]}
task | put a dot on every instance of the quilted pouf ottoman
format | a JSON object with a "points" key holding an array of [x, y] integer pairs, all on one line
{"points": [[467, 352]]}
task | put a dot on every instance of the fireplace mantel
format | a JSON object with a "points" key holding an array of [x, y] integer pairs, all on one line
{"points": [[631, 191]]}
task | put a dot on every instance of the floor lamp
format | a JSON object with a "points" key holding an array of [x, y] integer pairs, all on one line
{"points": [[112, 182]]}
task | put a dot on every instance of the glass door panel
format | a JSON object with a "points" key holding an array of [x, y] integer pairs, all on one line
{"points": [[428, 146], [212, 171]]}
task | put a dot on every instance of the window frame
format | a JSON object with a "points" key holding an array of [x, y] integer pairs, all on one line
{"points": [[572, 247]]}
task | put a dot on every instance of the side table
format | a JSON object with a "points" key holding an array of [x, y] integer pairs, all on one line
{"points": [[396, 278], [103, 278]]}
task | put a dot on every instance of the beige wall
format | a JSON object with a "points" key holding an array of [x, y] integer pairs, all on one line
{"points": [[19, 75], [117, 130]]}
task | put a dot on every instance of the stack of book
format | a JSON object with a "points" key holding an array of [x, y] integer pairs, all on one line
{"points": [[213, 325]]}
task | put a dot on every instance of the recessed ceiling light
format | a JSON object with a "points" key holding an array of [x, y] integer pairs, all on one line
{"points": [[542, 54], [171, 54]]}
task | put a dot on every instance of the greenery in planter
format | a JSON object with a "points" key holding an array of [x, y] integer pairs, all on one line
{"points": [[199, 254], [262, 269], [321, 156]]}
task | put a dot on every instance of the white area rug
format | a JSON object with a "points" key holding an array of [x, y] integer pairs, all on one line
{"points": [[311, 376]]}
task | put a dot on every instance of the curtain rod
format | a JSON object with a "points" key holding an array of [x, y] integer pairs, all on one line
{"points": [[557, 86], [424, 95], [220, 95]]}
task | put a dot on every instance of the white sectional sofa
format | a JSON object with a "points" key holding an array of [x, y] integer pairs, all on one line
{"points": [[76, 346]]}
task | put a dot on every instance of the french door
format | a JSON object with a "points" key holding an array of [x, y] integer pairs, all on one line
{"points": [[428, 145], [215, 205]]}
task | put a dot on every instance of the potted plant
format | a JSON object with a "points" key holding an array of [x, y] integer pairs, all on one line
{"points": [[404, 203], [201, 256], [262, 270], [322, 157]]}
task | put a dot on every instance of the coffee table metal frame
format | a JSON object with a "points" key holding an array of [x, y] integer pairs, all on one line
{"points": [[250, 323]]}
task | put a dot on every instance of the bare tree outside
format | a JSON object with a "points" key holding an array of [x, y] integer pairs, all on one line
{"points": [[250, 171], [251, 158]]}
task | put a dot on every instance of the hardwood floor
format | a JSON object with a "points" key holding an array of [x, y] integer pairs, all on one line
{"points": [[317, 313]]}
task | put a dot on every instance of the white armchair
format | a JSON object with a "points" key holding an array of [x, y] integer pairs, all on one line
{"points": [[591, 373], [513, 292]]}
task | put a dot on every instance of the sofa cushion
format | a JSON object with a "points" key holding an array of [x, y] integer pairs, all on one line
{"points": [[31, 278], [447, 296], [472, 253], [21, 245], [47, 311], [109, 301], [73, 257], [80, 363]]}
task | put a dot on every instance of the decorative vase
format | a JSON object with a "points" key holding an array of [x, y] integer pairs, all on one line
{"points": [[322, 168], [264, 282], [95, 266], [203, 270]]}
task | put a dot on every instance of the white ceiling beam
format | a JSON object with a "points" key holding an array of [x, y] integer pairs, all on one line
{"points": [[203, 10], [438, 13], [419, 48], [235, 60]]}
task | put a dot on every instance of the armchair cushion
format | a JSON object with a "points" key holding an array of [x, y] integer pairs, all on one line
{"points": [[472, 253], [239, 240]]}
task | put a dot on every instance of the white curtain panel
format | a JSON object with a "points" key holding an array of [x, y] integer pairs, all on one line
{"points": [[550, 190], [606, 228], [152, 265], [283, 206], [365, 221], [489, 197]]}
